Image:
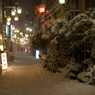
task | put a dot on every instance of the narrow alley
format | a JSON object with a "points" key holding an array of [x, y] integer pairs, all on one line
{"points": [[26, 76]]}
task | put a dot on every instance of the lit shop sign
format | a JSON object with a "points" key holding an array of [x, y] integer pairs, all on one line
{"points": [[37, 54], [4, 61]]}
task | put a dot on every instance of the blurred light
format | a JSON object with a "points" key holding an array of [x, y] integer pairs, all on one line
{"points": [[0, 36], [41, 9], [62, 1], [13, 27], [21, 33], [1, 47], [37, 54], [17, 30], [13, 12], [26, 35], [16, 18], [30, 30], [8, 23], [27, 29], [8, 19], [19, 10]]}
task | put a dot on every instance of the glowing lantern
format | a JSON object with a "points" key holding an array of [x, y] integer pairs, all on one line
{"points": [[26, 35], [21, 33], [16, 18], [13, 27], [13, 12], [41, 9], [27, 29], [30, 30], [8, 19], [8, 23], [1, 43], [19, 10], [62, 1], [17, 30]]}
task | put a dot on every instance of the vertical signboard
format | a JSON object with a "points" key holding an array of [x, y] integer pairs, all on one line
{"points": [[4, 61]]}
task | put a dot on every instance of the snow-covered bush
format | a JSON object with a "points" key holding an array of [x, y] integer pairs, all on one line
{"points": [[66, 40]]}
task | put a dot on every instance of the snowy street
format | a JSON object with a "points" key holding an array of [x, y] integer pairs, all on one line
{"points": [[26, 76]]}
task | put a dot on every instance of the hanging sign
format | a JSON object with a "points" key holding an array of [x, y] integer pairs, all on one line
{"points": [[4, 61]]}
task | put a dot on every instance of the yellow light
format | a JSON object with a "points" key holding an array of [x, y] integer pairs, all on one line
{"points": [[17, 30], [8, 19], [1, 47]]}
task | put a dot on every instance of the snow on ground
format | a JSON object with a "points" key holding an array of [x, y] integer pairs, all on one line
{"points": [[26, 76]]}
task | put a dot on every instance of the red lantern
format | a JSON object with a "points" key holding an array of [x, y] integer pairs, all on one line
{"points": [[13, 27], [41, 9], [16, 18]]}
